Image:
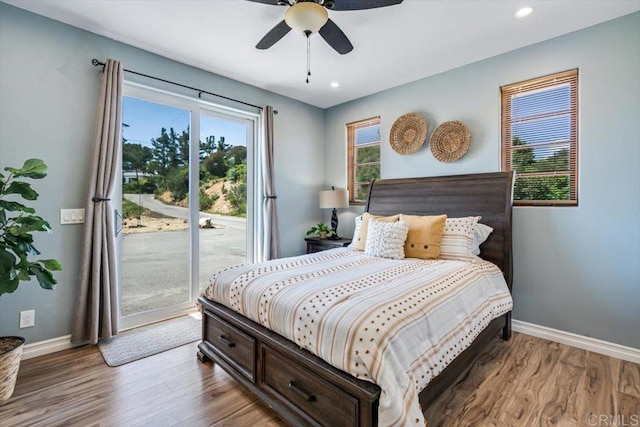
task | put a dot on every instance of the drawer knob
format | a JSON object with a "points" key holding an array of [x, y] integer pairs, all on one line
{"points": [[306, 396], [226, 342]]}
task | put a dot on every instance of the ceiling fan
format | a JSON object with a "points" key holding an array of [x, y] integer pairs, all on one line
{"points": [[310, 16]]}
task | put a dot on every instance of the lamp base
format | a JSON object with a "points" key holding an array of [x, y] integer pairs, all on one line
{"points": [[334, 225], [334, 237]]}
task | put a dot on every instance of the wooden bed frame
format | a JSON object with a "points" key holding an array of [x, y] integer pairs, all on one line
{"points": [[305, 390]]}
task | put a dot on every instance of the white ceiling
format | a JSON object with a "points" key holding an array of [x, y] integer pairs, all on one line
{"points": [[392, 45]]}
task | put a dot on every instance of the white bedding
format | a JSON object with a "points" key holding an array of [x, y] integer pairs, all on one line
{"points": [[397, 323]]}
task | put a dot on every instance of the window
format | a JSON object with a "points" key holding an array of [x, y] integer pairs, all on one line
{"points": [[363, 152], [540, 139]]}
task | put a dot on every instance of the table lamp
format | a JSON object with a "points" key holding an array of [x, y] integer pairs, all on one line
{"points": [[333, 199]]}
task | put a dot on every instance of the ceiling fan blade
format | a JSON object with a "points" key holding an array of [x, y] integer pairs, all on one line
{"points": [[362, 4], [273, 36], [271, 2], [335, 37]]}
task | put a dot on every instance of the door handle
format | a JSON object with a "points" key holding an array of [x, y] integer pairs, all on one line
{"points": [[118, 221]]}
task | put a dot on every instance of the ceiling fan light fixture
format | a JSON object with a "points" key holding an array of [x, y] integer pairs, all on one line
{"points": [[306, 17]]}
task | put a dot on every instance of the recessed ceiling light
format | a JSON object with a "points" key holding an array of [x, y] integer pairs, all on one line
{"points": [[525, 11], [335, 84]]}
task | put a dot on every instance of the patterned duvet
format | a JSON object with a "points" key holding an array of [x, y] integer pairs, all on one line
{"points": [[395, 323]]}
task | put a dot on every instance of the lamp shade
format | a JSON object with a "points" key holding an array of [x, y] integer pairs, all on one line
{"points": [[330, 199], [306, 17]]}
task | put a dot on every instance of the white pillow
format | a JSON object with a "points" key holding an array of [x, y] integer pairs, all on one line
{"points": [[457, 239], [356, 233], [481, 234], [386, 239]]}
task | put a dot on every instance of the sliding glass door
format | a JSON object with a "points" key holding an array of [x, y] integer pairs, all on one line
{"points": [[223, 192], [187, 173]]}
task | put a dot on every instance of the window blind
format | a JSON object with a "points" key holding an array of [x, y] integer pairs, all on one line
{"points": [[540, 139]]}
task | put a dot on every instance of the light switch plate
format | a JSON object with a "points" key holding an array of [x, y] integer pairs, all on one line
{"points": [[71, 216]]}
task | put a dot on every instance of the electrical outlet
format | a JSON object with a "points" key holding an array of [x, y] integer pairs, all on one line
{"points": [[27, 318]]}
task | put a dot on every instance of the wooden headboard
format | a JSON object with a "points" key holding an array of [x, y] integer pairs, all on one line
{"points": [[488, 195]]}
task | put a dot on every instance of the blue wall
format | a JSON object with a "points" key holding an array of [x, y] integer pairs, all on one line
{"points": [[48, 98], [577, 269]]}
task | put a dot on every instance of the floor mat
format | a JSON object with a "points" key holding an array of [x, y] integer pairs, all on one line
{"points": [[149, 340]]}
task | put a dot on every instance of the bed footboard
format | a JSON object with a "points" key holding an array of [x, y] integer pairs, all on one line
{"points": [[302, 388], [299, 386]]}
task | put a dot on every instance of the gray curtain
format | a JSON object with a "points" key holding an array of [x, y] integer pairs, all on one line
{"points": [[271, 244], [97, 303]]}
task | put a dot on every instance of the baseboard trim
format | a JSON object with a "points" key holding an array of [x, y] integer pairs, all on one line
{"points": [[586, 343], [41, 348]]}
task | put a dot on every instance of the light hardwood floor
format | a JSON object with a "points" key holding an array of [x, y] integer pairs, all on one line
{"points": [[526, 381]]}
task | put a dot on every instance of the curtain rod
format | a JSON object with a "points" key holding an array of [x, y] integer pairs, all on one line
{"points": [[97, 63]]}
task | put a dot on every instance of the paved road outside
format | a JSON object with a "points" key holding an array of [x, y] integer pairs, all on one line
{"points": [[149, 202], [155, 266]]}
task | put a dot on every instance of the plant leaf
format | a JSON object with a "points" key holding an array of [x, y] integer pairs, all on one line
{"points": [[22, 188], [32, 168], [33, 223], [14, 241], [51, 264], [24, 247], [45, 278], [7, 261], [15, 206], [8, 285], [23, 275]]}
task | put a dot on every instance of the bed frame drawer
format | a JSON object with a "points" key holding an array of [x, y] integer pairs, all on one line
{"points": [[315, 399], [234, 346]]}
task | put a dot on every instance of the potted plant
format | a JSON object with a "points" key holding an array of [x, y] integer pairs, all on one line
{"points": [[319, 229], [17, 223]]}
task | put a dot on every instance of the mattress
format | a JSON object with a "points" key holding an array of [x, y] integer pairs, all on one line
{"points": [[397, 323]]}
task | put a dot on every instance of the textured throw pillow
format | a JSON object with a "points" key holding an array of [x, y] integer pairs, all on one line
{"points": [[424, 237], [356, 233], [457, 239], [481, 234], [386, 239], [361, 241]]}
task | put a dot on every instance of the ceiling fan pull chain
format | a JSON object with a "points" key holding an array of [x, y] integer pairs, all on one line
{"points": [[308, 56]]}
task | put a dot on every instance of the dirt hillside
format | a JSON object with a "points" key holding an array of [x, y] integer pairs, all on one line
{"points": [[220, 206]]}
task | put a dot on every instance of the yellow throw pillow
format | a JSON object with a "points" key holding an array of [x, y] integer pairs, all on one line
{"points": [[362, 237], [425, 236]]}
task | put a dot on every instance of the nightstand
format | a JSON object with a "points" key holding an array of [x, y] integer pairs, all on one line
{"points": [[316, 244]]}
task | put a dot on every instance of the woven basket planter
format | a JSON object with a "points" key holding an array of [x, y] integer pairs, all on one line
{"points": [[10, 354]]}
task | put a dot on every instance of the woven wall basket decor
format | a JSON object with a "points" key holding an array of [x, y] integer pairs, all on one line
{"points": [[408, 133], [450, 141]]}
